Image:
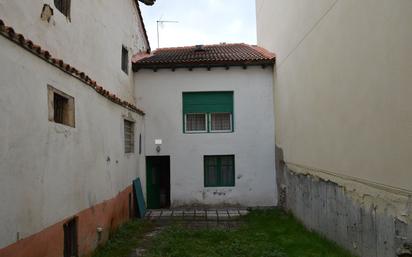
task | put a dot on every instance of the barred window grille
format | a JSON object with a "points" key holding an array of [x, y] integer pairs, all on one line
{"points": [[128, 136], [60, 108], [195, 122], [220, 122], [219, 171], [125, 60]]}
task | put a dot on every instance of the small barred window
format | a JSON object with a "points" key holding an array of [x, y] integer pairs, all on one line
{"points": [[128, 136]]}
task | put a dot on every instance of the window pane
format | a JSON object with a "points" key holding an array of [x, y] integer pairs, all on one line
{"points": [[220, 122], [60, 108], [211, 161], [211, 171], [227, 160], [128, 136], [125, 59], [227, 171], [211, 176], [227, 176], [195, 122]]}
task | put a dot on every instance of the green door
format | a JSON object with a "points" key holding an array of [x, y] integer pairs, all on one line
{"points": [[153, 184], [158, 182]]}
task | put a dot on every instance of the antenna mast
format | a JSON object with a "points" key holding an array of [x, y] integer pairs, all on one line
{"points": [[161, 22]]}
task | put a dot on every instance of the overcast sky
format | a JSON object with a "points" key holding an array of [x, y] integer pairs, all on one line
{"points": [[201, 22]]}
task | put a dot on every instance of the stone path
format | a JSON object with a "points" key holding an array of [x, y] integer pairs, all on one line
{"points": [[199, 218]]}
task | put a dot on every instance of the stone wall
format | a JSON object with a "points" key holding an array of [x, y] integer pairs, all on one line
{"points": [[368, 224]]}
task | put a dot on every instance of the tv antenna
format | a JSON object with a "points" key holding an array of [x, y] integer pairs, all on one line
{"points": [[161, 22]]}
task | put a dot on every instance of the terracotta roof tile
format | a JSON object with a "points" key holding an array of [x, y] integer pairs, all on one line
{"points": [[205, 56]]}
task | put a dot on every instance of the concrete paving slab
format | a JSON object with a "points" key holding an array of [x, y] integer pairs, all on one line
{"points": [[177, 213], [243, 212], [156, 213], [199, 213], [199, 217], [167, 213]]}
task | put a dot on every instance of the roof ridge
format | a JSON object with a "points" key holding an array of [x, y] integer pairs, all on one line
{"points": [[192, 46]]}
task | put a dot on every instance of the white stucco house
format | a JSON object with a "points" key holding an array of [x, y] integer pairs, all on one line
{"points": [[209, 134]]}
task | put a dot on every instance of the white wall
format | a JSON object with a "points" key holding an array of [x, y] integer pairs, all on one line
{"points": [[252, 142], [49, 171], [91, 41], [343, 85]]}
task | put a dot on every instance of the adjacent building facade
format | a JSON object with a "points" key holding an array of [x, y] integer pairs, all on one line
{"points": [[343, 117]]}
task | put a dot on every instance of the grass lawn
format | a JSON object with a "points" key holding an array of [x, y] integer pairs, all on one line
{"points": [[270, 233], [126, 238]]}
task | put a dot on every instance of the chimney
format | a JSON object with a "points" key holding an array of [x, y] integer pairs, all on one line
{"points": [[199, 48]]}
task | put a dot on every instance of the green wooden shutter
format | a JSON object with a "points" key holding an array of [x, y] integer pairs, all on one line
{"points": [[211, 171], [227, 171], [207, 102]]}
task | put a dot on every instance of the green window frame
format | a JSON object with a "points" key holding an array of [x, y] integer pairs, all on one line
{"points": [[208, 104], [219, 170]]}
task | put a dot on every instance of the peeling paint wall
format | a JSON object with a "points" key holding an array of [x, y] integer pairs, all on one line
{"points": [[252, 141], [369, 221], [91, 40], [108, 216], [49, 171]]}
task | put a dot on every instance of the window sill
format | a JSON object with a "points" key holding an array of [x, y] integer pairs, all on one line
{"points": [[195, 132], [221, 131], [61, 125], [219, 186], [210, 132]]}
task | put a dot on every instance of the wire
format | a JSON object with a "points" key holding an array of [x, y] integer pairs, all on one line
{"points": [[308, 33]]}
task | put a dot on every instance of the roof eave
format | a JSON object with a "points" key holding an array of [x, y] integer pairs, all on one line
{"points": [[208, 65]]}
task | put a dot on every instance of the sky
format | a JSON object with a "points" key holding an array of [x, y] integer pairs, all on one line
{"points": [[200, 22]]}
